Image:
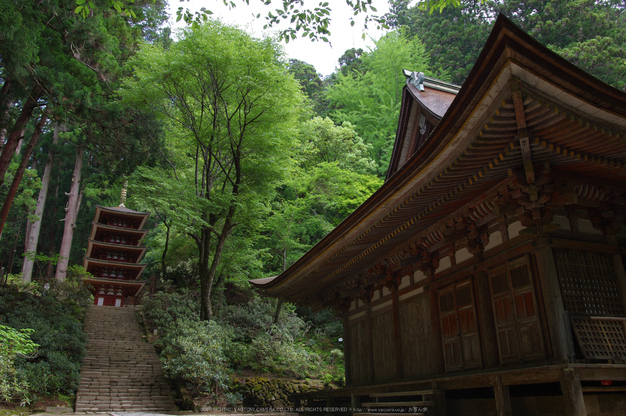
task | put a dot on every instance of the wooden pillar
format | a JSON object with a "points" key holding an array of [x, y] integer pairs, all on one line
{"points": [[439, 398], [369, 341], [397, 336], [489, 338], [573, 401], [558, 328], [355, 401], [347, 349], [503, 397]]}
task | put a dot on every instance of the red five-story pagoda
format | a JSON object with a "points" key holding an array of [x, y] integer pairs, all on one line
{"points": [[113, 255]]}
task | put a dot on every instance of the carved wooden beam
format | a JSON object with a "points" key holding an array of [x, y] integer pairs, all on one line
{"points": [[522, 131]]}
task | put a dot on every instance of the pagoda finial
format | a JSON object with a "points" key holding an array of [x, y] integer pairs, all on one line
{"points": [[123, 196]]}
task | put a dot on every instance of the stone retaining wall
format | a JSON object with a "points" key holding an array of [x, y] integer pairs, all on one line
{"points": [[266, 393]]}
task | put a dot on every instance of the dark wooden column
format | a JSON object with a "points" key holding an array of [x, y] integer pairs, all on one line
{"points": [[573, 402], [347, 349], [369, 341], [503, 397], [439, 397], [558, 328], [488, 339]]}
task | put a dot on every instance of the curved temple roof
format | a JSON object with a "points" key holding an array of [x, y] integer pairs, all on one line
{"points": [[575, 124]]}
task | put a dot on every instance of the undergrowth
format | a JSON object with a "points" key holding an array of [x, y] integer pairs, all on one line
{"points": [[46, 359], [242, 339]]}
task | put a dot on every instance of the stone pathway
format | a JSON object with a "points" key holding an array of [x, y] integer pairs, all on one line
{"points": [[120, 371]]}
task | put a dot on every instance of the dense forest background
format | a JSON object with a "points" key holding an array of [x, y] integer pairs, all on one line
{"points": [[244, 159]]}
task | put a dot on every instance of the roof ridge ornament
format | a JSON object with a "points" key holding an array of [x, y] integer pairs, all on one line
{"points": [[415, 78]]}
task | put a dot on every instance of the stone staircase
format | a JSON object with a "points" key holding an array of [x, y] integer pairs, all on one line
{"points": [[120, 372]]}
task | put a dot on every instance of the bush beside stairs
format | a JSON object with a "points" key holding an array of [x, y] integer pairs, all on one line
{"points": [[121, 372]]}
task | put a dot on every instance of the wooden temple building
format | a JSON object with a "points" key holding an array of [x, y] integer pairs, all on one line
{"points": [[114, 251], [486, 276]]}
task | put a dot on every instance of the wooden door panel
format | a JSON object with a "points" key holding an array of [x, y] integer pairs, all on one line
{"points": [[471, 348], [515, 312], [459, 329], [452, 354]]}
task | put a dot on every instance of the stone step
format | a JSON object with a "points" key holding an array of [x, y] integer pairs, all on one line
{"points": [[120, 371]]}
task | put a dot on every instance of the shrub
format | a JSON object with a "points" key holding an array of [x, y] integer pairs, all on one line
{"points": [[193, 351], [14, 343], [54, 314], [164, 309]]}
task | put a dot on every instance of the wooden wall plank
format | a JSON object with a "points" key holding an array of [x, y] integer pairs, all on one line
{"points": [[383, 347]]}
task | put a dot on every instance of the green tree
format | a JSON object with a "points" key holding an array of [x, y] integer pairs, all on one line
{"points": [[70, 66], [351, 60], [309, 22], [230, 117], [452, 37], [331, 173], [589, 33], [370, 99]]}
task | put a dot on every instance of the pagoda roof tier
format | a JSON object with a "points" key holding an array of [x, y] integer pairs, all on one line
{"points": [[134, 253], [132, 271], [130, 288], [100, 232], [136, 220], [523, 112]]}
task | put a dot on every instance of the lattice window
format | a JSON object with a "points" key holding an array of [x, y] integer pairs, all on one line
{"points": [[600, 338], [588, 284], [591, 296]]}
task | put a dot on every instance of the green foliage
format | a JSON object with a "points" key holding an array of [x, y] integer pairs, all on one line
{"points": [[54, 316], [12, 386], [242, 338], [230, 119], [164, 309], [312, 23], [589, 33], [321, 141], [369, 98], [14, 343], [193, 351]]}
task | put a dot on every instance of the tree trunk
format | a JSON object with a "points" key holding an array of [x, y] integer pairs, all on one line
{"points": [[9, 148], [164, 254], [70, 217], [5, 102], [32, 234], [207, 276], [279, 305], [203, 269], [52, 233], [8, 200]]}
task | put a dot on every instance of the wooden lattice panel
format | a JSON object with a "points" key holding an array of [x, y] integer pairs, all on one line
{"points": [[600, 339], [588, 284]]}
